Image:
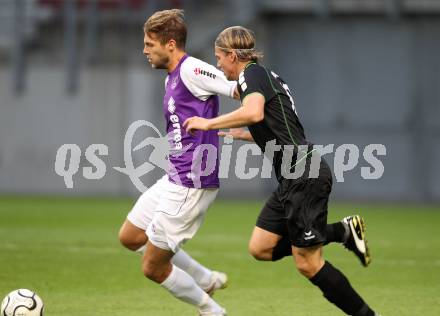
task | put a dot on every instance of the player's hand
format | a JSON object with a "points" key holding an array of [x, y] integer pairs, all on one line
{"points": [[235, 133], [195, 123]]}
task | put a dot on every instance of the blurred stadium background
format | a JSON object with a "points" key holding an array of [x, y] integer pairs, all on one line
{"points": [[362, 71], [72, 72]]}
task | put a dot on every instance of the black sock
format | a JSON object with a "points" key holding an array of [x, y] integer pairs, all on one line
{"points": [[335, 233], [336, 288], [282, 249]]}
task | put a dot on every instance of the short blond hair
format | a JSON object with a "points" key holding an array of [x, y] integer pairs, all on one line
{"points": [[240, 40], [167, 25]]}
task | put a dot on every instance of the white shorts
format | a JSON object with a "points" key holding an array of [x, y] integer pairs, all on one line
{"points": [[171, 214]]}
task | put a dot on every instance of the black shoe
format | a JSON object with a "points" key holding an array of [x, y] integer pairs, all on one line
{"points": [[356, 241]]}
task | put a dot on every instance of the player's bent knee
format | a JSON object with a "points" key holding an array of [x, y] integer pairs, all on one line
{"points": [[124, 239], [129, 242], [255, 253], [304, 268], [132, 239], [260, 253], [308, 268], [308, 260]]}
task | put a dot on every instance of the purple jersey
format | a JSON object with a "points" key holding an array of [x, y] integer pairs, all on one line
{"points": [[191, 90]]}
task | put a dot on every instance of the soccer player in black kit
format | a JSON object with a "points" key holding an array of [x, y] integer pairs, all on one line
{"points": [[294, 219]]}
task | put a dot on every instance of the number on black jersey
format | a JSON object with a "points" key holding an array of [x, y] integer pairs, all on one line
{"points": [[286, 88]]}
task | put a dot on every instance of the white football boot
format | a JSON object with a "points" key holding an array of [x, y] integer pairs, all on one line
{"points": [[219, 280]]}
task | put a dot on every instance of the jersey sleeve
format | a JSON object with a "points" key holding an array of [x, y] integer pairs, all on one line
{"points": [[254, 79], [204, 80]]}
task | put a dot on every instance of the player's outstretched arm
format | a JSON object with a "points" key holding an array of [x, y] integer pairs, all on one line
{"points": [[250, 113]]}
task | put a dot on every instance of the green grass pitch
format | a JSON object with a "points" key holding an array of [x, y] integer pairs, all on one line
{"points": [[67, 251]]}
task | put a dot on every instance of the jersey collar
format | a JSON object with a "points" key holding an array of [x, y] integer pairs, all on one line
{"points": [[178, 65], [249, 64]]}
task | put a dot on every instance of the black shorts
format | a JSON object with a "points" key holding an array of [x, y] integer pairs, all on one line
{"points": [[298, 209]]}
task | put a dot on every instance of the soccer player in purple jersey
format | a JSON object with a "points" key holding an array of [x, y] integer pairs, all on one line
{"points": [[172, 210]]}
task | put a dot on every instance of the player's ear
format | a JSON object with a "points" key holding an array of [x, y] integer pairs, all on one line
{"points": [[171, 45], [233, 56]]}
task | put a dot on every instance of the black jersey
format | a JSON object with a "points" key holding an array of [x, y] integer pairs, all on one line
{"points": [[280, 124]]}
